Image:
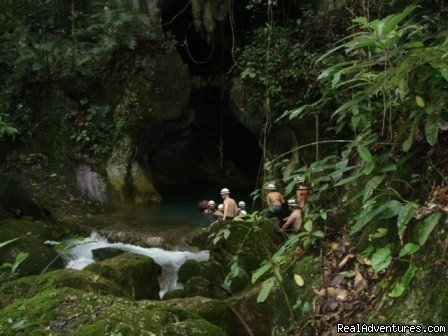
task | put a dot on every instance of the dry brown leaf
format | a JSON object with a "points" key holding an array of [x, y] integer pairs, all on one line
{"points": [[345, 260]]}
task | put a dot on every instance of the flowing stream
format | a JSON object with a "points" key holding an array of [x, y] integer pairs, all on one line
{"points": [[80, 256]]}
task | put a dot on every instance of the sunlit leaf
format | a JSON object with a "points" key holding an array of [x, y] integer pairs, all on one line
{"points": [[427, 226], [299, 280], [266, 289], [381, 259]]}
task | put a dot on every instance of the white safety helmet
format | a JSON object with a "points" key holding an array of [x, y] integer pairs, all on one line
{"points": [[271, 186], [299, 179], [241, 203], [225, 191], [292, 202], [221, 207], [211, 203]]}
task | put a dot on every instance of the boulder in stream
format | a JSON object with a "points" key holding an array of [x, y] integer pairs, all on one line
{"points": [[135, 273], [104, 253]]}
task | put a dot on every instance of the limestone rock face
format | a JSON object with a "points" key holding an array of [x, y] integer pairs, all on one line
{"points": [[128, 182], [134, 273]]}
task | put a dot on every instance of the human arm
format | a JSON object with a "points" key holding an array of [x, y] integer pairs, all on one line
{"points": [[288, 223], [225, 211]]}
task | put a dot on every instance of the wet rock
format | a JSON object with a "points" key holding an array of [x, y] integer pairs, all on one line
{"points": [[104, 253], [174, 294], [31, 238], [198, 238], [136, 274], [188, 270], [257, 243], [76, 279], [213, 272], [199, 286], [72, 312], [240, 282]]}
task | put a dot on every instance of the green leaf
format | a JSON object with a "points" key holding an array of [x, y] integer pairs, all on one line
{"points": [[266, 289], [404, 282], [432, 128], [428, 225], [397, 291], [259, 272], [371, 185], [381, 259], [21, 257], [409, 249], [420, 102], [404, 216], [319, 234], [8, 242], [309, 226], [408, 143], [364, 154]]}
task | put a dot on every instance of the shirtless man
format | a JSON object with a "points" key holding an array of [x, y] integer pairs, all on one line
{"points": [[302, 192], [294, 221], [230, 207], [274, 201]]}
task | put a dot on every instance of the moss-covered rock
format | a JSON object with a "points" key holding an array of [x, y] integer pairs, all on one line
{"points": [[72, 312], [174, 294], [31, 239], [252, 242], [198, 238], [199, 286], [262, 318], [424, 301], [83, 280], [104, 253], [189, 269], [136, 274], [240, 282], [214, 311]]}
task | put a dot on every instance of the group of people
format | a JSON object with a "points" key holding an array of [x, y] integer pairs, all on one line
{"points": [[292, 210], [228, 210]]}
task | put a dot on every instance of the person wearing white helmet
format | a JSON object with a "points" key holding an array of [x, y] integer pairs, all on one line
{"points": [[242, 208], [230, 207], [211, 208], [274, 201], [294, 221]]}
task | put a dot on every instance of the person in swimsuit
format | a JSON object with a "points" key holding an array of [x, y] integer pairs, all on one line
{"points": [[242, 208], [230, 207], [274, 201], [294, 221], [211, 208]]}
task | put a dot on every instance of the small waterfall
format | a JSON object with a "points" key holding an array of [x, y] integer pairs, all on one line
{"points": [[91, 183], [81, 255]]}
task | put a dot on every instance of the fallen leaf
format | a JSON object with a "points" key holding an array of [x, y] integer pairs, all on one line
{"points": [[299, 280], [345, 260], [367, 262], [53, 175]]}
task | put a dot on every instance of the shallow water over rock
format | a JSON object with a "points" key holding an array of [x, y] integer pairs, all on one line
{"points": [[81, 255]]}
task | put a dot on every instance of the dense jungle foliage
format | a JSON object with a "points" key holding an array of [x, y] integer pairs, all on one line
{"points": [[363, 87]]}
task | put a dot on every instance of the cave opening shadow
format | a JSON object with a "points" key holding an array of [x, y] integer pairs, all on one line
{"points": [[215, 149]]}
